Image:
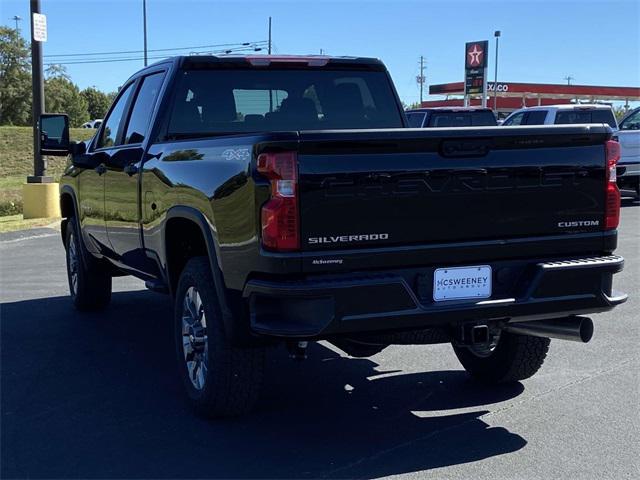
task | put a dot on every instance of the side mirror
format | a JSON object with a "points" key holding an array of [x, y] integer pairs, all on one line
{"points": [[54, 134]]}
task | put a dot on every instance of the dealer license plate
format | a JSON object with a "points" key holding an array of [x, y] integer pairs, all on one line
{"points": [[456, 283]]}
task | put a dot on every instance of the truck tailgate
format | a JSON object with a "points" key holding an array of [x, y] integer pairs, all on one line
{"points": [[367, 188]]}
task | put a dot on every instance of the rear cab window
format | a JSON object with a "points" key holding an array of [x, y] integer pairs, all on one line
{"points": [[577, 116], [415, 120], [462, 119], [243, 100]]}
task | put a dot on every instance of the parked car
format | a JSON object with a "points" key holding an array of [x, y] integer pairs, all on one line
{"points": [[562, 115], [92, 123], [282, 199], [629, 164], [444, 117]]}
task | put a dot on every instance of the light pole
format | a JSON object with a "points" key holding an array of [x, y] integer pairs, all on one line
{"points": [[495, 74], [144, 21]]}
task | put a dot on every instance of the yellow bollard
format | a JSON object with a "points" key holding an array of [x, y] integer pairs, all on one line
{"points": [[41, 200]]}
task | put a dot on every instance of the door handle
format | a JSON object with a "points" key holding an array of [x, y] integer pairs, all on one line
{"points": [[101, 169], [130, 169]]}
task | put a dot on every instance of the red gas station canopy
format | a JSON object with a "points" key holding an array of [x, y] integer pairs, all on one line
{"points": [[545, 92]]}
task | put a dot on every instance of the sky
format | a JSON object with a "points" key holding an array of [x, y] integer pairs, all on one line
{"points": [[594, 42]]}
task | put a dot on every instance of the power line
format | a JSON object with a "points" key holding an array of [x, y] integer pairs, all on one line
{"points": [[122, 52], [150, 57]]}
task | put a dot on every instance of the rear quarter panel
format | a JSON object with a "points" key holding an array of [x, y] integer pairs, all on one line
{"points": [[214, 177]]}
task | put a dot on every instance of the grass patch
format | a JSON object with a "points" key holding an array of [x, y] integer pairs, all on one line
{"points": [[12, 223], [11, 195], [16, 162]]}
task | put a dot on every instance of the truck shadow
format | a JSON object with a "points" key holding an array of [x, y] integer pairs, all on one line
{"points": [[97, 395]]}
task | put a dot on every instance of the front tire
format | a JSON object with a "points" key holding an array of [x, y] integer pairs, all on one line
{"points": [[89, 284], [221, 380], [514, 357]]}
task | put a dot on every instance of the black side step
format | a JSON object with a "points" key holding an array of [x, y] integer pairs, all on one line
{"points": [[157, 286]]}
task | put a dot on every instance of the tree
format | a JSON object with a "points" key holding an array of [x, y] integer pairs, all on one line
{"points": [[15, 79], [97, 102], [55, 70], [63, 96], [620, 111]]}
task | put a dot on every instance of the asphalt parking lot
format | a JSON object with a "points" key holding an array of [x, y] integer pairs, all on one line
{"points": [[89, 396]]}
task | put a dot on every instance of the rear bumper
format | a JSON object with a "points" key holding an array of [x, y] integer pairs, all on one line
{"points": [[326, 305]]}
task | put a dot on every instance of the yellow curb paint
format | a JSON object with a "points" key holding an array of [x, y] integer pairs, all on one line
{"points": [[41, 200]]}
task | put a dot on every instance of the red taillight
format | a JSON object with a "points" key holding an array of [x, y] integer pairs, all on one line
{"points": [[612, 202], [280, 224]]}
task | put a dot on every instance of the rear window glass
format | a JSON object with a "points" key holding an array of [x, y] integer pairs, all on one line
{"points": [[586, 116], [462, 119], [251, 100], [414, 120]]}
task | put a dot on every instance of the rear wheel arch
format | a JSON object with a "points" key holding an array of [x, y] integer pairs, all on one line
{"points": [[195, 223], [183, 240], [181, 220]]}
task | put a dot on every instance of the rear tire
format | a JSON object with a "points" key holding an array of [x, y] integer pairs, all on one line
{"points": [[89, 284], [514, 358], [221, 380]]}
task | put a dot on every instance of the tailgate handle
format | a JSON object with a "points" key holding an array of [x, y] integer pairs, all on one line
{"points": [[464, 148]]}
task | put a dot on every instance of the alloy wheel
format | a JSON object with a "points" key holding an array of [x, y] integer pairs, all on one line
{"points": [[73, 262], [195, 346]]}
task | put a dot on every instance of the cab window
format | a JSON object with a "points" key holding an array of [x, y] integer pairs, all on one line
{"points": [[514, 119], [536, 117], [109, 135], [142, 108], [632, 122]]}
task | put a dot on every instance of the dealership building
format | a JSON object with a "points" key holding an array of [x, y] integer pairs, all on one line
{"points": [[514, 95]]}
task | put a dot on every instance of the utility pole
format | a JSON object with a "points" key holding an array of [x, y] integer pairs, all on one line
{"points": [[495, 74], [144, 27], [16, 19], [568, 78], [39, 167], [269, 52], [421, 77]]}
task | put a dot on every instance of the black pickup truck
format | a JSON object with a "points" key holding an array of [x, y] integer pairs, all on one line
{"points": [[284, 199]]}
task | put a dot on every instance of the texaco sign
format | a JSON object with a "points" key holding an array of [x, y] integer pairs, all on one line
{"points": [[476, 54], [475, 64]]}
